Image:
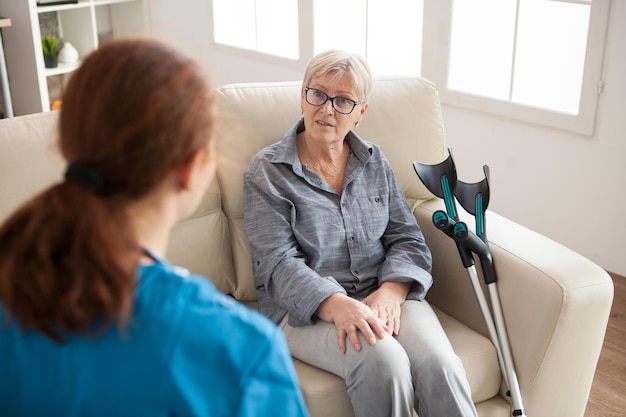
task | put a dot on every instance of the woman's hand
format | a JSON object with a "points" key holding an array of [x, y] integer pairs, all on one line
{"points": [[386, 303], [351, 316]]}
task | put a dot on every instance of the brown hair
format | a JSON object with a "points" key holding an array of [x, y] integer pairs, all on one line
{"points": [[133, 111]]}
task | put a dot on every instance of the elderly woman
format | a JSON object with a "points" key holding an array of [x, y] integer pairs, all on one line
{"points": [[339, 260]]}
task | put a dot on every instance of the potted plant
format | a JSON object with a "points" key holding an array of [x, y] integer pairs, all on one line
{"points": [[50, 47]]}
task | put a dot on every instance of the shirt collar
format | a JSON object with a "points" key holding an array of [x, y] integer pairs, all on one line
{"points": [[287, 149]]}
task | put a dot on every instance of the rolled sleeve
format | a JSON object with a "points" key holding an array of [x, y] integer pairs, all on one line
{"points": [[285, 283], [408, 258]]}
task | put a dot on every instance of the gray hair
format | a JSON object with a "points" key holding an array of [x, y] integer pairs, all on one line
{"points": [[341, 63]]}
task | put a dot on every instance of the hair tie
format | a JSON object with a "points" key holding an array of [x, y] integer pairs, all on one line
{"points": [[85, 175]]}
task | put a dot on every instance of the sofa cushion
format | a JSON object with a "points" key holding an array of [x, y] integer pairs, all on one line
{"points": [[201, 243], [478, 355], [243, 129]]}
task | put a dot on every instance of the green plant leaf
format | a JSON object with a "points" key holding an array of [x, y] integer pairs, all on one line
{"points": [[50, 45]]}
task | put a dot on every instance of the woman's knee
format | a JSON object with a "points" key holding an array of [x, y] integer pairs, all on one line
{"points": [[381, 375], [438, 366], [387, 360]]}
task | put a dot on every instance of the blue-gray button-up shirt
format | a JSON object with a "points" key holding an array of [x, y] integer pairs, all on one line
{"points": [[309, 242]]}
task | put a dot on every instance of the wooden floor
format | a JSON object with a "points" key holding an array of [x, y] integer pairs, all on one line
{"points": [[608, 392]]}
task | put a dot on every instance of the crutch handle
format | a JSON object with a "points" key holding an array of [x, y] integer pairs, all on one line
{"points": [[444, 223], [469, 239], [473, 243]]}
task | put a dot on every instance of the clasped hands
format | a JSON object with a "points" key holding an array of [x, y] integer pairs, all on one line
{"points": [[375, 316]]}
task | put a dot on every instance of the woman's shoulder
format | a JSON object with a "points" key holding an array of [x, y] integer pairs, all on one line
{"points": [[208, 339], [263, 156], [367, 151], [197, 302]]}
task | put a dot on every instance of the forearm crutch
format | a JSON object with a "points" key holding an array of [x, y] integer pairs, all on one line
{"points": [[441, 180]]}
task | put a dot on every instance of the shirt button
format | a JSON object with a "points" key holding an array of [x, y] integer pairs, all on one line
{"points": [[352, 238]]}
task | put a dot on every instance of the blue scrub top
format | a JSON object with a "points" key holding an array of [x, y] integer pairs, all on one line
{"points": [[188, 351]]}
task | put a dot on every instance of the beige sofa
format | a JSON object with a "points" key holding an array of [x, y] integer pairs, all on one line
{"points": [[556, 302]]}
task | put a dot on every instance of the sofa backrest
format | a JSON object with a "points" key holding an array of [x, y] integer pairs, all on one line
{"points": [[404, 118], [29, 158]]}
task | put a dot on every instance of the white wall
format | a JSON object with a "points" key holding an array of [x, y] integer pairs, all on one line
{"points": [[571, 188]]}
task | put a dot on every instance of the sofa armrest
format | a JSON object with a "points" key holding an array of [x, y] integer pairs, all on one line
{"points": [[555, 302]]}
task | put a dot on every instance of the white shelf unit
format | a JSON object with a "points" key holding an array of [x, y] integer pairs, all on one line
{"points": [[83, 24]]}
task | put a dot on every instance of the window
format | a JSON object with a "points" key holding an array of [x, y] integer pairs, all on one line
{"points": [[266, 26], [530, 53], [362, 26], [387, 32], [533, 60]]}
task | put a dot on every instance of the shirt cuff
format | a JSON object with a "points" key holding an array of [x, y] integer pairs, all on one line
{"points": [[304, 311], [421, 279]]}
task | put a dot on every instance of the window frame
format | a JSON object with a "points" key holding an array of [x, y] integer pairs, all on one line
{"points": [[305, 47], [435, 64]]}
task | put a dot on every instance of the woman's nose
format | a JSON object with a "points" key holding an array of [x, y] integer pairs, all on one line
{"points": [[328, 107]]}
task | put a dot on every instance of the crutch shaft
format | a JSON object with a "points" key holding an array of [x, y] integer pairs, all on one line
{"points": [[514, 388], [489, 322]]}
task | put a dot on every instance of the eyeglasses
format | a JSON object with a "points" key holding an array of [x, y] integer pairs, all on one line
{"points": [[316, 97]]}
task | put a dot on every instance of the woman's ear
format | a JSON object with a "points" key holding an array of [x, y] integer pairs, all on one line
{"points": [[185, 173], [364, 107]]}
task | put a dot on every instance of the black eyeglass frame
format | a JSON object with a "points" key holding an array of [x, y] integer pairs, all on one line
{"points": [[332, 100]]}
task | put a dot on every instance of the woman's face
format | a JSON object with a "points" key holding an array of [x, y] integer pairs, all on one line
{"points": [[323, 123]]}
